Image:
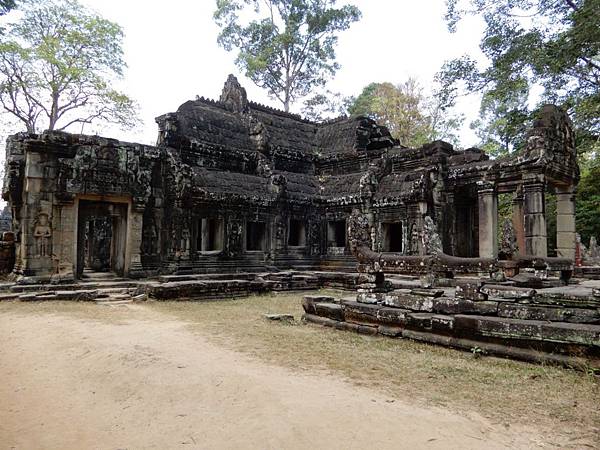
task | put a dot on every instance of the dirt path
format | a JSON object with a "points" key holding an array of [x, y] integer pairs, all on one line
{"points": [[74, 383]]}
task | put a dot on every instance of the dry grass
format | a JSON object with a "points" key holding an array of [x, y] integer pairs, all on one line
{"points": [[503, 390], [509, 392]]}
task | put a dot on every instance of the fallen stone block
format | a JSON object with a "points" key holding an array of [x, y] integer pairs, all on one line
{"points": [[279, 317], [572, 333], [442, 324], [360, 313], [346, 326], [549, 313], [470, 291], [563, 299], [390, 331], [392, 316], [308, 302], [448, 305], [330, 310], [419, 320], [507, 292], [427, 292], [367, 330], [499, 327], [414, 303]]}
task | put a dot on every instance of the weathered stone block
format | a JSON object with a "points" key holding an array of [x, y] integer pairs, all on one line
{"points": [[393, 316], [549, 313], [413, 303], [330, 310], [499, 327], [360, 312], [308, 302], [390, 331], [470, 291], [419, 320], [442, 324], [448, 305], [427, 292], [507, 292]]}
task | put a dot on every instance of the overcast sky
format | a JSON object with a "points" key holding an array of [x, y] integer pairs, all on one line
{"points": [[172, 55]]}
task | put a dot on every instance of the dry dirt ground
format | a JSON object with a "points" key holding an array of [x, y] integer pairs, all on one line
{"points": [[217, 375]]}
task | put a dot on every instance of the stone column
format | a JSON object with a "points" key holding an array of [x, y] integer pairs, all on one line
{"points": [[534, 212], [488, 220], [133, 256], [565, 221], [450, 243], [517, 219]]}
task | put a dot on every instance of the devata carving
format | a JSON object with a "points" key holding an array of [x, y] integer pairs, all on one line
{"points": [[42, 233]]}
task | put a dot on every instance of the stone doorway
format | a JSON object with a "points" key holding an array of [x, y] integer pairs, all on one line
{"points": [[101, 237]]}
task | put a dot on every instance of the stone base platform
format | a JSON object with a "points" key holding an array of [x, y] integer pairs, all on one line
{"points": [[549, 325]]}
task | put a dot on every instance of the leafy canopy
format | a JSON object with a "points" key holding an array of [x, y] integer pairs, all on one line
{"points": [[411, 117], [57, 66], [288, 47], [553, 45]]}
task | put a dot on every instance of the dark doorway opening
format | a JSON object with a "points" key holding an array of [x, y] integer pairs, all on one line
{"points": [[256, 236], [297, 234], [101, 237], [392, 237], [210, 235], [336, 233]]}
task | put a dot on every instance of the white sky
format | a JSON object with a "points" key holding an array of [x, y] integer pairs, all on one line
{"points": [[172, 54]]}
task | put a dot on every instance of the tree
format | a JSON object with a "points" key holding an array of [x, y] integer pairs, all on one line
{"points": [[550, 44], [57, 66], [411, 117], [289, 48], [6, 6], [588, 204]]}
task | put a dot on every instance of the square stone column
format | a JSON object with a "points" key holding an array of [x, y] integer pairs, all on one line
{"points": [[518, 221], [488, 220], [534, 211], [565, 221]]}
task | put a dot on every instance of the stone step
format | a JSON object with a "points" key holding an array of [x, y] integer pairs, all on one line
{"points": [[114, 302], [73, 286]]}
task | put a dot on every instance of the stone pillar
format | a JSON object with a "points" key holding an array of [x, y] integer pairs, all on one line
{"points": [[565, 221], [534, 212], [450, 244], [133, 253], [517, 220], [488, 220]]}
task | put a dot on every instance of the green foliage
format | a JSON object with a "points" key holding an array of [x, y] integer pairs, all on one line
{"points": [[6, 6], [289, 47], [57, 67], [554, 45], [411, 116], [588, 204]]}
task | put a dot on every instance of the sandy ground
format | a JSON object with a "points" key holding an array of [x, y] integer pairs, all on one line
{"points": [[69, 382]]}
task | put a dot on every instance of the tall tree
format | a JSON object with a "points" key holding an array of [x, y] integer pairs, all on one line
{"points": [[57, 67], [551, 44], [288, 48], [411, 116], [6, 6]]}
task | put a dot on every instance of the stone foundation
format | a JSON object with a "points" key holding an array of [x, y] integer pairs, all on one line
{"points": [[544, 325]]}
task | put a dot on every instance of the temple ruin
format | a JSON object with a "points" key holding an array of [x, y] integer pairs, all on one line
{"points": [[237, 187], [232, 184]]}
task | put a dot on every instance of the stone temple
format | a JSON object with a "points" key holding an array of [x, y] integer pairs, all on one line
{"points": [[233, 184], [237, 187]]}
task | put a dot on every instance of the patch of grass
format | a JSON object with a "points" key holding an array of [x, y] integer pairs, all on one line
{"points": [[501, 389]]}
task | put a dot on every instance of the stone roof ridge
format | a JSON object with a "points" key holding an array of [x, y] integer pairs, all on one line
{"points": [[334, 120], [210, 101], [278, 112]]}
